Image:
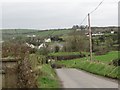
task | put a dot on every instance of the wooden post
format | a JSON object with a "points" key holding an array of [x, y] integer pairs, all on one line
{"points": [[90, 36]]}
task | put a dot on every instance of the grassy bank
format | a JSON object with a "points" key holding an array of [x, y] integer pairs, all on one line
{"points": [[107, 58], [48, 79], [93, 67], [100, 68]]}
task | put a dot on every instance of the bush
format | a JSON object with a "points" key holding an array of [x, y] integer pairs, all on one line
{"points": [[116, 62], [43, 51], [76, 43], [14, 49], [26, 75], [33, 51], [57, 49], [101, 51]]}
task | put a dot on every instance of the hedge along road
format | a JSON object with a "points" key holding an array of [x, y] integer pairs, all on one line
{"points": [[73, 78]]}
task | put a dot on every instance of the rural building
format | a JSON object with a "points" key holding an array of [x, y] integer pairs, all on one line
{"points": [[31, 36], [30, 45], [78, 29], [112, 32], [48, 40], [95, 34], [41, 46]]}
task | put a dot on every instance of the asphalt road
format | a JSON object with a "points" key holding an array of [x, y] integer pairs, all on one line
{"points": [[73, 78]]}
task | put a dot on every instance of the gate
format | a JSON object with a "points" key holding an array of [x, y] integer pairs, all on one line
{"points": [[9, 73]]}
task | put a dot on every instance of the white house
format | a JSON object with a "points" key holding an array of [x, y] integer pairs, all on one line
{"points": [[30, 45], [112, 32], [78, 29], [27, 44], [97, 34], [31, 35], [48, 40], [41, 46]]}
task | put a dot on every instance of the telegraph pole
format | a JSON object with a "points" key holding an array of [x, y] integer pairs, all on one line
{"points": [[90, 36]]}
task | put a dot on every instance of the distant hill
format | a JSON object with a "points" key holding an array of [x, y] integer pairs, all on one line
{"points": [[10, 33]]}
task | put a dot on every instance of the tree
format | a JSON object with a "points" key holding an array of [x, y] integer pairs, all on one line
{"points": [[82, 27], [75, 27], [77, 43], [109, 42], [57, 48]]}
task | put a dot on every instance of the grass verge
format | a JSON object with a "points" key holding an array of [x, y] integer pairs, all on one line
{"points": [[48, 79], [93, 67]]}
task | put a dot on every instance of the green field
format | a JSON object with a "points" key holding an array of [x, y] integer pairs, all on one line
{"points": [[10, 33], [108, 57], [53, 33], [18, 31], [100, 68], [102, 58]]}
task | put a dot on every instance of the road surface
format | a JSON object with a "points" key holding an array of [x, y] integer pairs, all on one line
{"points": [[73, 78]]}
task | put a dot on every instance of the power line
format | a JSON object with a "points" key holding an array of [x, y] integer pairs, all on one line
{"points": [[92, 12], [83, 20], [97, 7], [85, 16]]}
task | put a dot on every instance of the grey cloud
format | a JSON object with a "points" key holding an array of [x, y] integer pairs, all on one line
{"points": [[44, 15]]}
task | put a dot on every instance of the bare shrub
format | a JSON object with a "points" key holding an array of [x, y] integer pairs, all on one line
{"points": [[27, 77]]}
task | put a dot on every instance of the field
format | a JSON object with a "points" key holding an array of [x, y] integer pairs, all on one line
{"points": [[100, 68], [53, 33], [10, 33], [102, 58], [108, 57]]}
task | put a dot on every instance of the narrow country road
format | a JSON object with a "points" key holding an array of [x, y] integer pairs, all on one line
{"points": [[73, 78]]}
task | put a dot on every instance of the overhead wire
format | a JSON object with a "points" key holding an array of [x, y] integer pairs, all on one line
{"points": [[85, 16], [92, 12], [83, 20], [97, 7]]}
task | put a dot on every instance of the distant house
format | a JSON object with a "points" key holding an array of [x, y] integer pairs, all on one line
{"points": [[78, 29], [112, 32], [41, 46], [95, 34], [31, 35], [30, 45], [38, 40], [48, 40]]}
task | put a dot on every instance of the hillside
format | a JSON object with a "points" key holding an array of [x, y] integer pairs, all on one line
{"points": [[10, 33]]}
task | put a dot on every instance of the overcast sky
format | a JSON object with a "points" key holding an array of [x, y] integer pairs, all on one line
{"points": [[46, 14]]}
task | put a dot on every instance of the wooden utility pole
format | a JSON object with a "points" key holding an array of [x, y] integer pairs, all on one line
{"points": [[90, 36]]}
